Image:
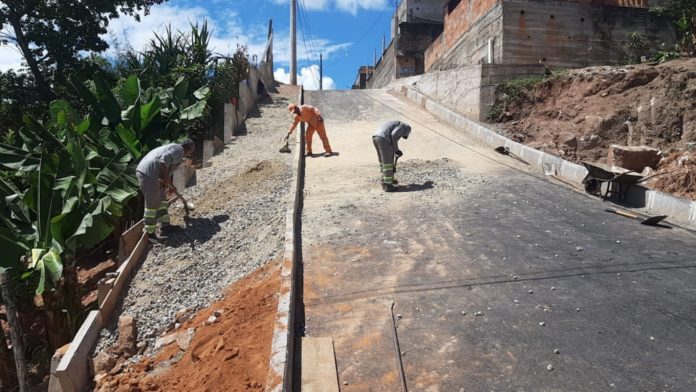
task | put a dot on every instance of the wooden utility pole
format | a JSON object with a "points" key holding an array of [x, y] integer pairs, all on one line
{"points": [[15, 331], [293, 43], [321, 71]]}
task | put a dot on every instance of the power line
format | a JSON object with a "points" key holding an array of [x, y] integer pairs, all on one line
{"points": [[303, 29]]}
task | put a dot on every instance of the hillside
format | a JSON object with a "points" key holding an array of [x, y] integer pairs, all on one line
{"points": [[578, 114]]}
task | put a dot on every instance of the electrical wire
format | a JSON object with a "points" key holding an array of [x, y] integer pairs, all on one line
{"points": [[303, 28]]}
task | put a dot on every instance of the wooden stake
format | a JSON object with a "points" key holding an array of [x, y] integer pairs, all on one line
{"points": [[15, 331], [7, 369]]}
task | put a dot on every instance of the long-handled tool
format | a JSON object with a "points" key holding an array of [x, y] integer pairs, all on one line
{"points": [[506, 151], [286, 147], [650, 221], [187, 206]]}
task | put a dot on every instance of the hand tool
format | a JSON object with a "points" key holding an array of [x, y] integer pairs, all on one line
{"points": [[650, 221]]}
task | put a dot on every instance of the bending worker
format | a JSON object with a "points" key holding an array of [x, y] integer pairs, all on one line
{"points": [[154, 174], [310, 115], [386, 141]]}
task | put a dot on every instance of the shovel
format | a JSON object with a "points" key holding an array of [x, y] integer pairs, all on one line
{"points": [[187, 206], [506, 151], [650, 221], [286, 147]]}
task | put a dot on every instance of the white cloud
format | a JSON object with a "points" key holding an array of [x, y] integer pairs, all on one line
{"points": [[281, 49], [126, 31], [352, 6], [308, 77], [10, 58], [226, 35], [10, 55]]}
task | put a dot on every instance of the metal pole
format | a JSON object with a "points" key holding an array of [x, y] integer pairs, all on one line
{"points": [[15, 331], [293, 43], [321, 71]]}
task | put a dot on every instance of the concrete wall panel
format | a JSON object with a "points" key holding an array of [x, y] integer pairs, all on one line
{"points": [[385, 71], [569, 34]]}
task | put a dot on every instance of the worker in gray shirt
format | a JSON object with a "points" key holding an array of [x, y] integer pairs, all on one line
{"points": [[154, 175], [386, 141]]}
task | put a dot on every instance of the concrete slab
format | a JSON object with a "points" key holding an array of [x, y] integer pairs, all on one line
{"points": [[73, 370], [492, 269], [319, 373], [123, 275], [128, 240]]}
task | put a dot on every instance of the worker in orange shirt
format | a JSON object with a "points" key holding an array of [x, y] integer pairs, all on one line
{"points": [[312, 116]]}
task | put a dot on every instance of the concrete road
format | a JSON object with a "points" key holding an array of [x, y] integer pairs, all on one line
{"points": [[501, 280]]}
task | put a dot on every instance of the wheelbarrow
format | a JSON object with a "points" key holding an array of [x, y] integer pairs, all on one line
{"points": [[618, 180]]}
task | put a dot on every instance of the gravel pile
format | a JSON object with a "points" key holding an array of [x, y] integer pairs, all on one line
{"points": [[238, 225], [443, 174]]}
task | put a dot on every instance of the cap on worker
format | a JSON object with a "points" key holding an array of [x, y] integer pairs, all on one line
{"points": [[292, 107]]}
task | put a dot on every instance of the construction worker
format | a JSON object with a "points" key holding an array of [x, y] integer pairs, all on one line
{"points": [[386, 141], [310, 115], [154, 175]]}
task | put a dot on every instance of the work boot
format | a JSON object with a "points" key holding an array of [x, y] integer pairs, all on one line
{"points": [[389, 187], [155, 239]]}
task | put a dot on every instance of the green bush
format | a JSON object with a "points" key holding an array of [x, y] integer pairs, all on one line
{"points": [[510, 93]]}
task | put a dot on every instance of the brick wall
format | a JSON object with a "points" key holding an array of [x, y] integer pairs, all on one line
{"points": [[457, 23]]}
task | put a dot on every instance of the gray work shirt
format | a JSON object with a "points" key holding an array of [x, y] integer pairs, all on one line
{"points": [[392, 131], [171, 155]]}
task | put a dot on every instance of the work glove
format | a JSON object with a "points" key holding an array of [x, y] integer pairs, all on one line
{"points": [[398, 153]]}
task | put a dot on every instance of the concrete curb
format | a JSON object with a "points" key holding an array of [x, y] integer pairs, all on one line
{"points": [[655, 202], [280, 369], [72, 371]]}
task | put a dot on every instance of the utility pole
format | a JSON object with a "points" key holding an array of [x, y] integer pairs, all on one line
{"points": [[321, 71], [384, 42], [374, 60], [293, 43]]}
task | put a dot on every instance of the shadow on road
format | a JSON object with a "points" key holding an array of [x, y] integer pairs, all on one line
{"points": [[196, 231], [321, 154], [416, 187]]}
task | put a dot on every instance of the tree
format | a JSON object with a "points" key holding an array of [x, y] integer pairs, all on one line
{"points": [[683, 13], [52, 33]]}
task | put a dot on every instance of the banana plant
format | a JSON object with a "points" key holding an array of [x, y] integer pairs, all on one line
{"points": [[78, 183]]}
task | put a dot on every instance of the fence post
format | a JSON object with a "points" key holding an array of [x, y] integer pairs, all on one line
{"points": [[15, 331]]}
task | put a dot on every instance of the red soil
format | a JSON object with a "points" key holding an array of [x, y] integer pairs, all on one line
{"points": [[229, 355]]}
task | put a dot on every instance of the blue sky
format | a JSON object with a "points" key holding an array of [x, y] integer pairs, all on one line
{"points": [[346, 31]]}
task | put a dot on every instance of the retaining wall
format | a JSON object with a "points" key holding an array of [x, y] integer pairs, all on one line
{"points": [[469, 91], [385, 69], [679, 210]]}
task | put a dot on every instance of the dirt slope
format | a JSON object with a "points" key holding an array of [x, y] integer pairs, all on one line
{"points": [[578, 114]]}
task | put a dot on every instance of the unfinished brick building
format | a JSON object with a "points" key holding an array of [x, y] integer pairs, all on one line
{"points": [[560, 33]]}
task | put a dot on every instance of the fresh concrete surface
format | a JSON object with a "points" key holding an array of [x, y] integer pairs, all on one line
{"points": [[547, 268]]}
